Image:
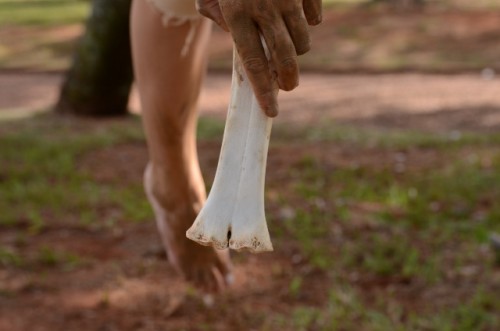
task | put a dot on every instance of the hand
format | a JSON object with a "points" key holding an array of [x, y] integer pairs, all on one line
{"points": [[282, 24]]}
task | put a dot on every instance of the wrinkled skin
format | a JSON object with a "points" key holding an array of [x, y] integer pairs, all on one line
{"points": [[283, 25]]}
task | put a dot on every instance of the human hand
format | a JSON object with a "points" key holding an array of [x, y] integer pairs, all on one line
{"points": [[283, 26]]}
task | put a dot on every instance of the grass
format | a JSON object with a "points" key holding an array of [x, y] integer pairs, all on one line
{"points": [[39, 34], [413, 211], [54, 154], [9, 258], [50, 257], [395, 248], [426, 223], [418, 224], [345, 310], [42, 13]]}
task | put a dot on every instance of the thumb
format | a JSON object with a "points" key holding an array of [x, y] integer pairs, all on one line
{"points": [[211, 9]]}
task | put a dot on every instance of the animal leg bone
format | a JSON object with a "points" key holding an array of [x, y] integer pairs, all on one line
{"points": [[233, 215]]}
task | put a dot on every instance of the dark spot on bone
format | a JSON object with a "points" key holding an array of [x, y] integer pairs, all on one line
{"points": [[239, 72], [240, 77], [255, 243], [229, 241]]}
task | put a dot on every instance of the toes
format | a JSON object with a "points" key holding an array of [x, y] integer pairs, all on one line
{"points": [[224, 267], [219, 280], [207, 269], [209, 284], [202, 281], [208, 280], [225, 274]]}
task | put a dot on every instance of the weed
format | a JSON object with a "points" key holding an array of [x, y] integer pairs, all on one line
{"points": [[403, 252], [50, 257], [295, 286], [8, 257]]}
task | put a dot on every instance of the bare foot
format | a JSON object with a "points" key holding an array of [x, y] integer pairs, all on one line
{"points": [[205, 267]]}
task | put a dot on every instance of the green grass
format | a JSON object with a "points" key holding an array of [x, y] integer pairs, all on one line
{"points": [[52, 258], [392, 250], [42, 12], [385, 139], [426, 221], [31, 35], [451, 203], [43, 181], [9, 258], [345, 310]]}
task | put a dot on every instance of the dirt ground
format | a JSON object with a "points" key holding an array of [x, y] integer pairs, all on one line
{"points": [[125, 282], [402, 101]]}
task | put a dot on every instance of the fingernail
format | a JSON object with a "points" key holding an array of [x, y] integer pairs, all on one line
{"points": [[288, 85], [269, 104], [208, 300], [229, 279], [318, 19], [272, 111]]}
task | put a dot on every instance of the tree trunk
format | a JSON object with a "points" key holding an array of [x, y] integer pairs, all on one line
{"points": [[99, 80]]}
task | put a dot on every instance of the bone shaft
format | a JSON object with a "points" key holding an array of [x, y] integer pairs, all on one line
{"points": [[235, 205], [246, 139]]}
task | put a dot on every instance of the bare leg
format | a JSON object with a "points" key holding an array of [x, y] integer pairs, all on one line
{"points": [[169, 86]]}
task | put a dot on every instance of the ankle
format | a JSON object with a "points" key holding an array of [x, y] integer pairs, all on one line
{"points": [[179, 202]]}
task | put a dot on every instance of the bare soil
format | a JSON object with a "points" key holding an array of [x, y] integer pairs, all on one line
{"points": [[427, 102], [123, 281]]}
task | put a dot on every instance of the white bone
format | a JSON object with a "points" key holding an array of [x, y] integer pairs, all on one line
{"points": [[233, 215]]}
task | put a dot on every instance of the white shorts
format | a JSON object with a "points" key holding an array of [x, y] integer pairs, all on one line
{"points": [[176, 11]]}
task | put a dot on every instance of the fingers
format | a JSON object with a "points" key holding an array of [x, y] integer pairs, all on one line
{"points": [[297, 28], [313, 11], [283, 55], [284, 27], [206, 280], [249, 46], [211, 9], [224, 268]]}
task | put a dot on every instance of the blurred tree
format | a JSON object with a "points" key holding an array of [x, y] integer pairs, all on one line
{"points": [[99, 80]]}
